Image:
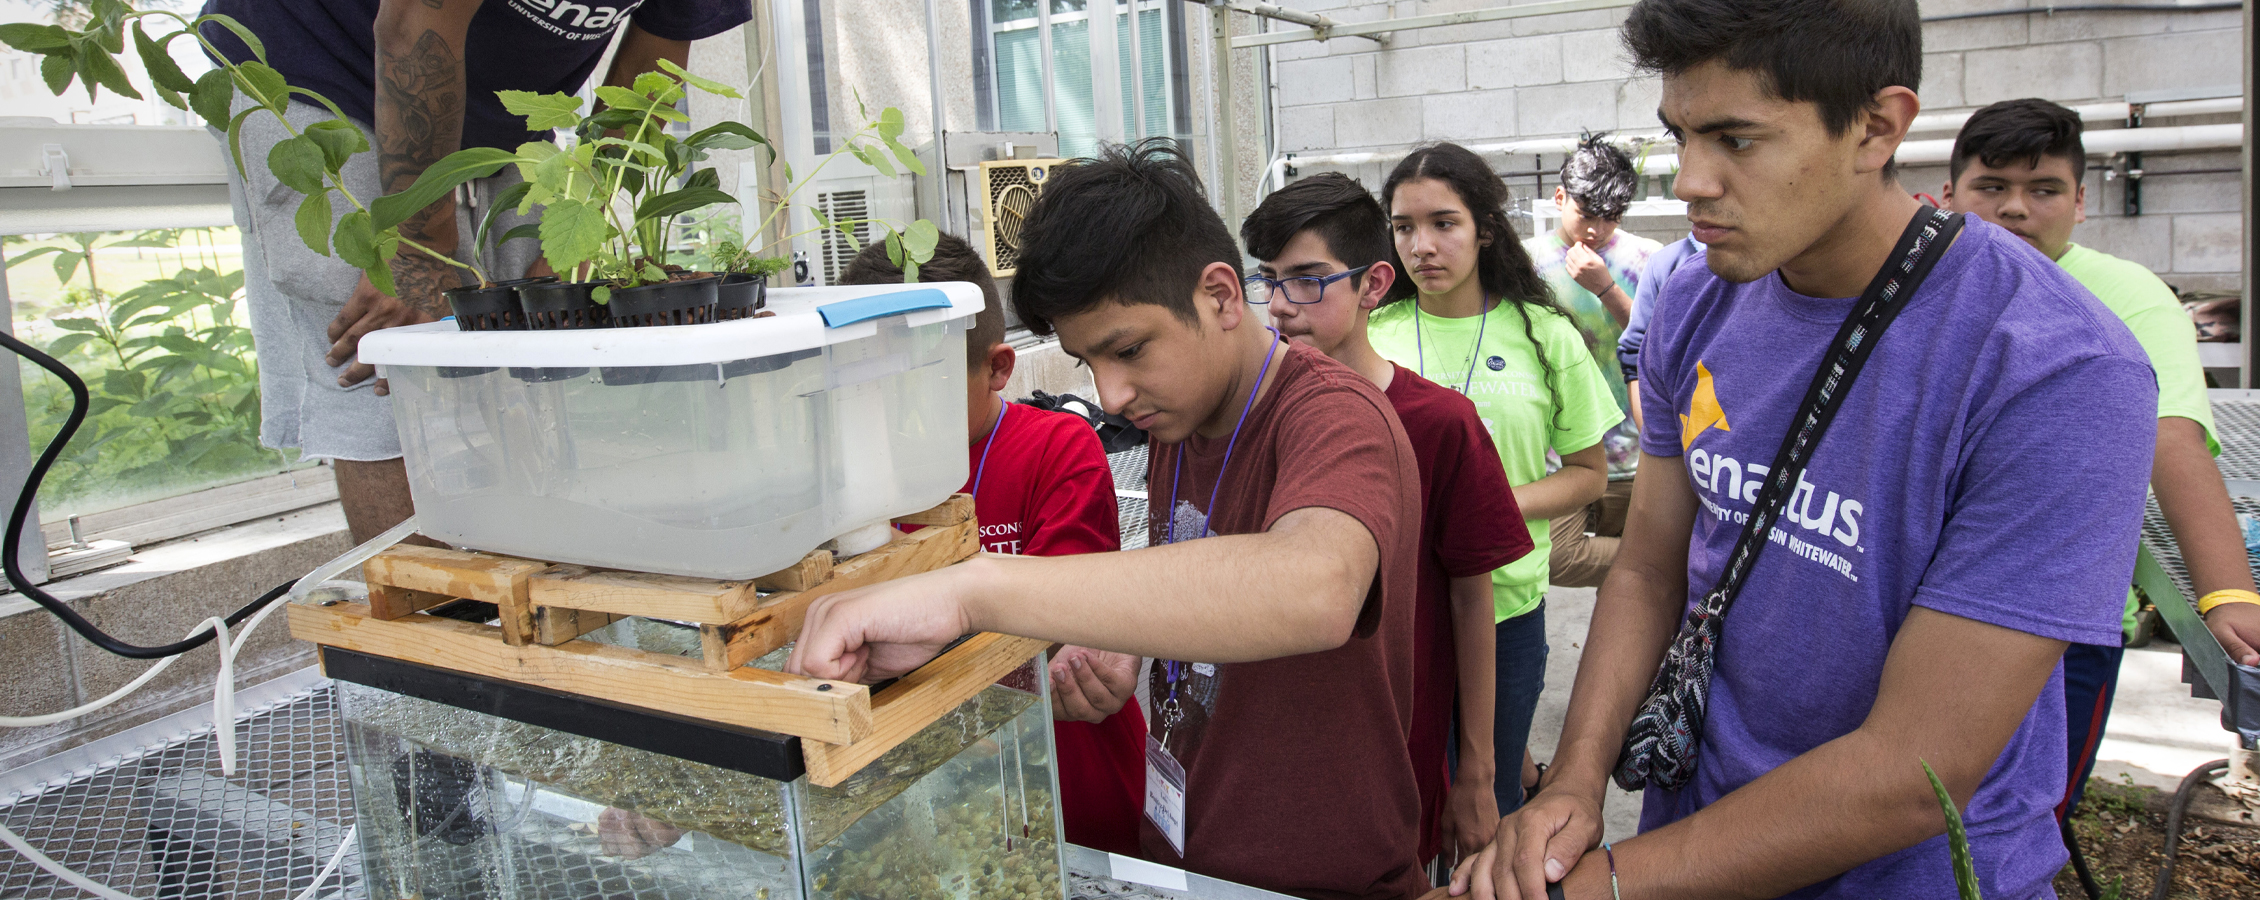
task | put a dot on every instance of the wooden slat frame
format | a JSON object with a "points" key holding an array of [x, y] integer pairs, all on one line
{"points": [[778, 619], [647, 594], [918, 699], [829, 711], [500, 580]]}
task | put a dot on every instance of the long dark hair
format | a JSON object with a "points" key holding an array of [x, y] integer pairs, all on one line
{"points": [[1503, 268]]}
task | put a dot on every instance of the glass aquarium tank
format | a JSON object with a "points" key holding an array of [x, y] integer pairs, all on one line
{"points": [[466, 788]]}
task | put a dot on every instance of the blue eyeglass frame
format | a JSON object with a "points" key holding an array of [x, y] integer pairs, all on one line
{"points": [[1279, 285]]}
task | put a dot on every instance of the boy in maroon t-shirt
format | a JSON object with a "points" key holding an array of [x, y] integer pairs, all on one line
{"points": [[1277, 595], [1323, 264], [1041, 487]]}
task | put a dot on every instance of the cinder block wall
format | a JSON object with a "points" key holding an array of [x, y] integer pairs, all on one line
{"points": [[1552, 76]]}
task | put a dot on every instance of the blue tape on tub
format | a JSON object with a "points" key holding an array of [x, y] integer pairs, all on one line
{"points": [[849, 312]]}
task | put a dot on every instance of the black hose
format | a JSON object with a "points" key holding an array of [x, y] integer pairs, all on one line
{"points": [[2174, 815], [11, 551], [2090, 7], [2079, 860]]}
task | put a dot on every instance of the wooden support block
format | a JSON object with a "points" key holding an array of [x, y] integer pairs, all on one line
{"points": [[676, 597], [918, 699], [499, 580], [388, 602], [830, 711], [554, 626], [778, 619], [800, 576], [958, 508]]}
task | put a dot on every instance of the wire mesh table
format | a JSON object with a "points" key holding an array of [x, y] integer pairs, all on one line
{"points": [[2159, 570]]}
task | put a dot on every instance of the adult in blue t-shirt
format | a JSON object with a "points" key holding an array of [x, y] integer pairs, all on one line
{"points": [[1973, 508], [419, 78]]}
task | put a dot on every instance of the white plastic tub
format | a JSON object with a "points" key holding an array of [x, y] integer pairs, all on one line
{"points": [[726, 450]]}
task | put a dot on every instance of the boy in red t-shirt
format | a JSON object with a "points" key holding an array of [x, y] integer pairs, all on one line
{"points": [[1323, 264], [1041, 487]]}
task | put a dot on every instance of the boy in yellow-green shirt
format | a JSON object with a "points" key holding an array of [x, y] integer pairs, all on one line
{"points": [[2018, 164]]}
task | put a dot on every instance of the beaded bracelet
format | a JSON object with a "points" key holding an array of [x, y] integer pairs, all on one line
{"points": [[1612, 855]]}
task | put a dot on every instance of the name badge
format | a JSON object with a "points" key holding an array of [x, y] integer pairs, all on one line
{"points": [[1165, 794]]}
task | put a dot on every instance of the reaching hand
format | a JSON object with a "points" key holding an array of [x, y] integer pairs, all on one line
{"points": [[1471, 817], [1090, 685], [368, 310], [882, 631], [630, 835], [1535, 846], [1590, 271], [2237, 625]]}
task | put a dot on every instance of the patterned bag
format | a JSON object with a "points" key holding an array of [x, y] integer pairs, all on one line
{"points": [[1659, 747]]}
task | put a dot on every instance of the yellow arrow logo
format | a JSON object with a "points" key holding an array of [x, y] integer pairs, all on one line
{"points": [[1703, 410]]}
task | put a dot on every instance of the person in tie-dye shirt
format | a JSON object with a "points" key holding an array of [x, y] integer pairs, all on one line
{"points": [[1594, 268]]}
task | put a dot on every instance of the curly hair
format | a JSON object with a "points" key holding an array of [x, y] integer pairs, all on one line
{"points": [[1600, 178]]}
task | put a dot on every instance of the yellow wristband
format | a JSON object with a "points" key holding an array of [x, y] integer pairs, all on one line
{"points": [[2206, 603]]}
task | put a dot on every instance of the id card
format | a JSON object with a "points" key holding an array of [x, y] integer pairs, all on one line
{"points": [[1165, 794]]}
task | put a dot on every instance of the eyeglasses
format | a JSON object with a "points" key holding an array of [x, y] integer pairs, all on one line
{"points": [[1301, 289]]}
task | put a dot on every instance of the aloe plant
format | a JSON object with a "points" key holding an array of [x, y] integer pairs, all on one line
{"points": [[1965, 872], [309, 161]]}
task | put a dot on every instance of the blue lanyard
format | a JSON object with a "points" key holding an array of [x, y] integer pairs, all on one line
{"points": [[1420, 353], [995, 430], [1179, 468]]}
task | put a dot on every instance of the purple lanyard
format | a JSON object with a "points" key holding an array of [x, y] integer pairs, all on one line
{"points": [[1179, 468], [995, 429]]}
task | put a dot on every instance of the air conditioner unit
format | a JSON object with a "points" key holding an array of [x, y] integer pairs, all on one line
{"points": [[848, 191], [1009, 189]]}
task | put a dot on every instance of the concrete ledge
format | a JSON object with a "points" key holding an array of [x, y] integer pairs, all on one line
{"points": [[156, 598]]}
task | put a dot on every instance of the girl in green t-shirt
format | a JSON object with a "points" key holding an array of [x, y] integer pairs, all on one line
{"points": [[1473, 315]]}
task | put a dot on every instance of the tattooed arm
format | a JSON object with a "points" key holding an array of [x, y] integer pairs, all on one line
{"points": [[640, 51], [419, 119]]}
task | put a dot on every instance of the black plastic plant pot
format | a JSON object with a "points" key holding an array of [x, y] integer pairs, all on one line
{"points": [[686, 302], [493, 307], [739, 296], [556, 306]]}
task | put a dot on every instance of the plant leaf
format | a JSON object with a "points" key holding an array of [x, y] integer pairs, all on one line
{"points": [[1957, 838], [265, 85], [212, 95], [97, 66], [250, 40], [235, 135], [80, 323], [339, 140], [920, 240], [509, 199], [705, 84], [890, 123], [31, 38], [909, 159], [438, 180], [32, 254], [163, 69], [58, 69], [67, 343], [66, 265], [706, 178], [357, 241], [725, 136], [571, 232], [675, 203], [298, 163], [527, 230], [542, 111], [314, 222]]}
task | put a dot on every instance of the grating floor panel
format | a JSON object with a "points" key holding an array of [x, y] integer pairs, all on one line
{"points": [[165, 822], [1130, 475]]}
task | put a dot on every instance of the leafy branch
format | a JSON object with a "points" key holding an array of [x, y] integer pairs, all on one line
{"points": [[311, 161]]}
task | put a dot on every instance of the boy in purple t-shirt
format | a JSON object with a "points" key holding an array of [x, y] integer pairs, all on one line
{"points": [[1930, 567]]}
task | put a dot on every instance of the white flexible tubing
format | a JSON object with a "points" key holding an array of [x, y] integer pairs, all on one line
{"points": [[223, 708], [96, 888], [314, 579]]}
